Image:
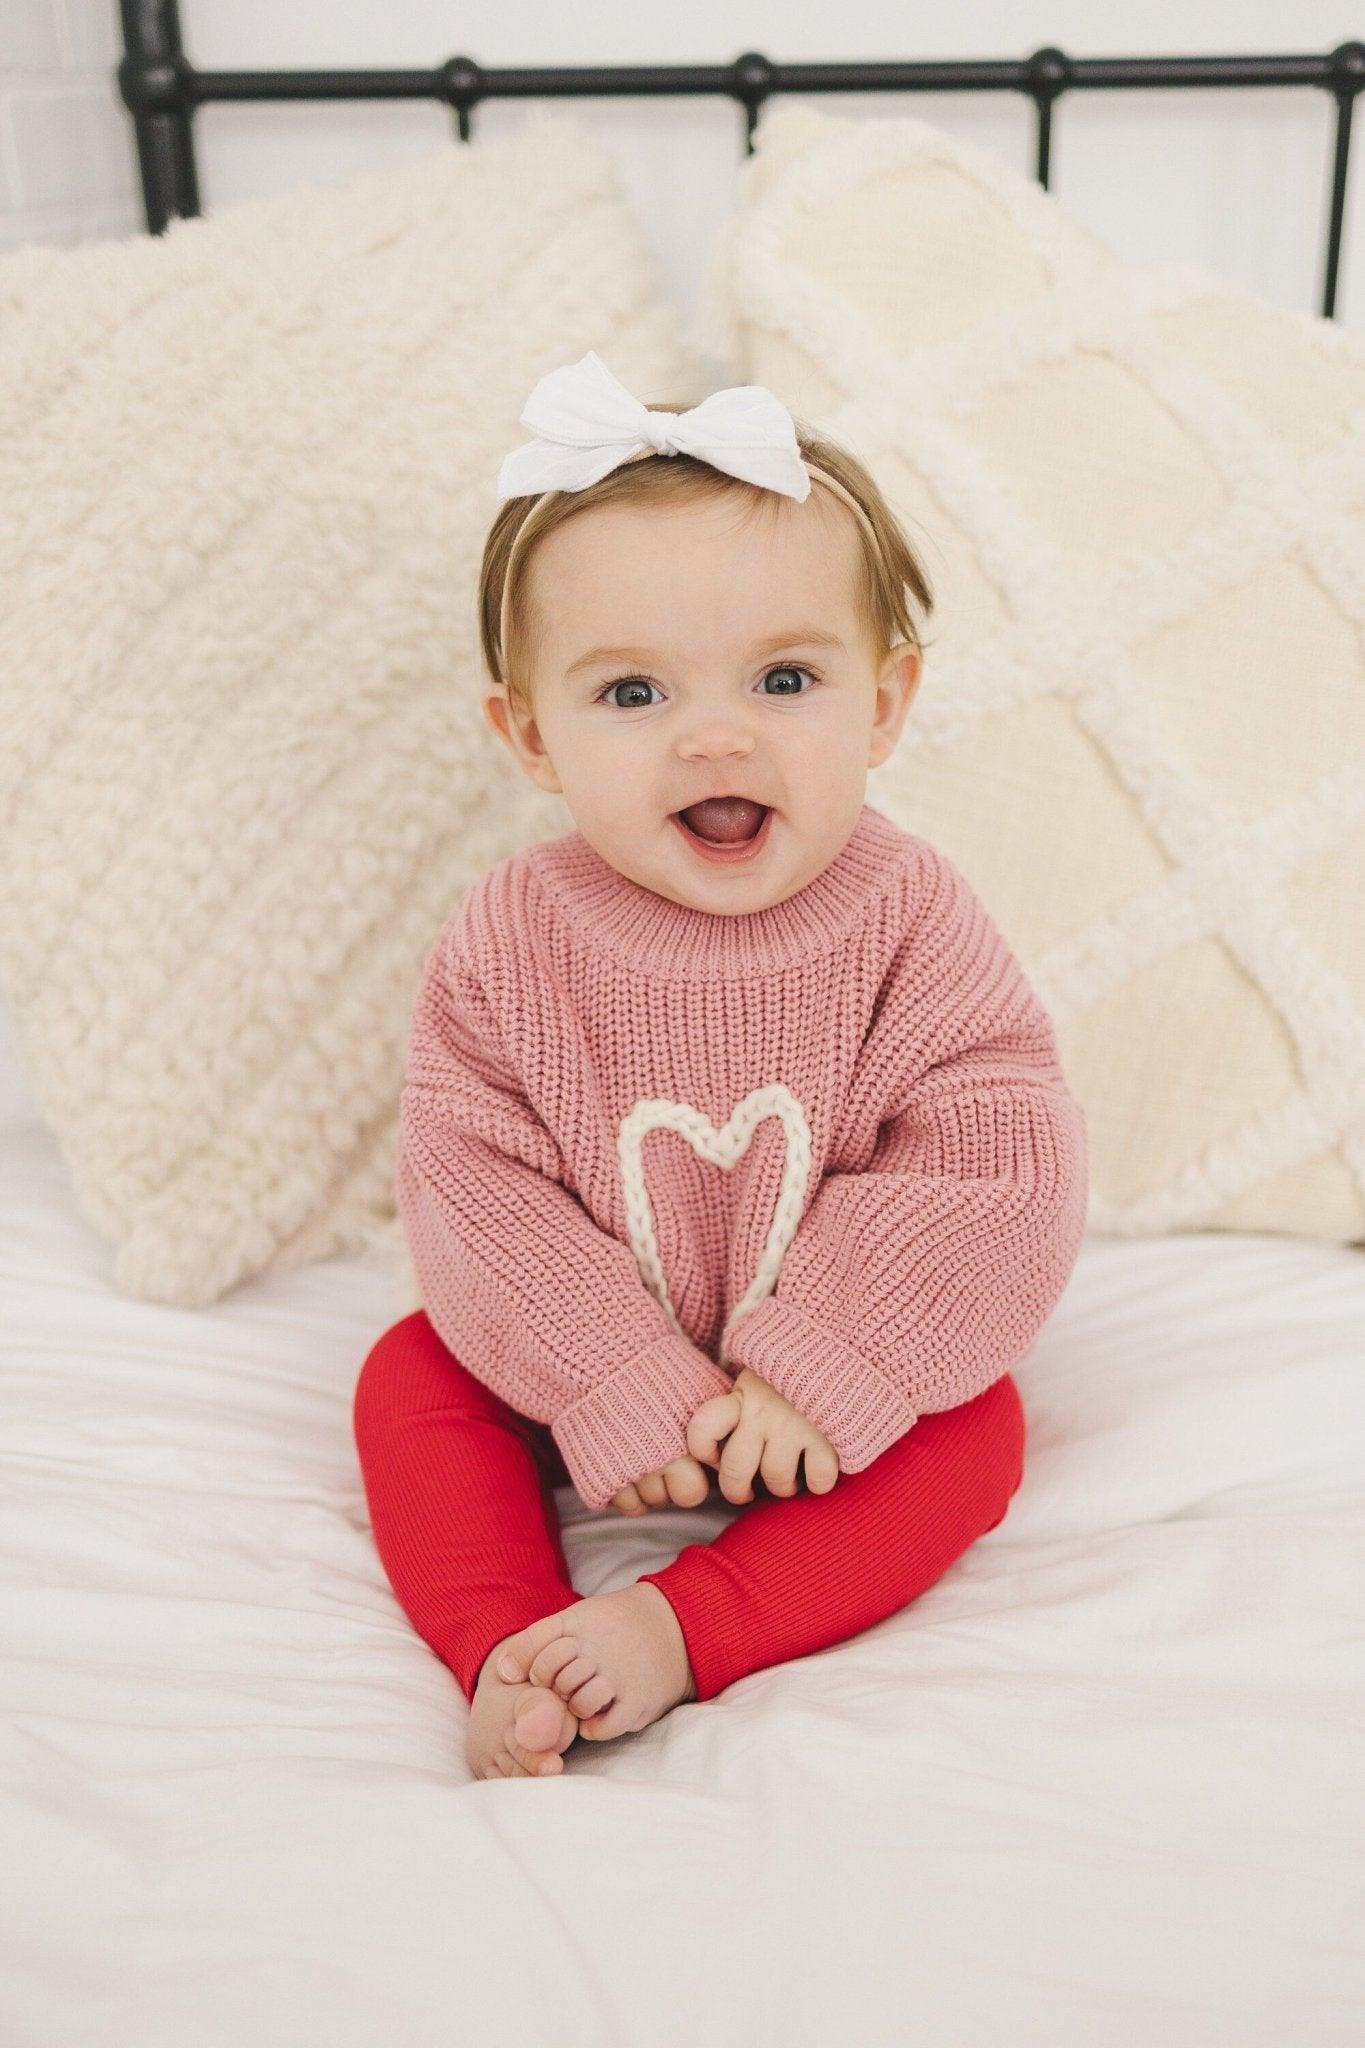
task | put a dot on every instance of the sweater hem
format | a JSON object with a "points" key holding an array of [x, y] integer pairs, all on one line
{"points": [[636, 1421], [857, 1407]]}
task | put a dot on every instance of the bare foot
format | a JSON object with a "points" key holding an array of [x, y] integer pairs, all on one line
{"points": [[616, 1660], [517, 1730]]}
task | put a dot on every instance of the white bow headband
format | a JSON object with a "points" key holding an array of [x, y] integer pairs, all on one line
{"points": [[586, 424]]}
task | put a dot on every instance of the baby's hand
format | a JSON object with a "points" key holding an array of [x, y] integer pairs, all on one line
{"points": [[763, 1432], [683, 1483]]}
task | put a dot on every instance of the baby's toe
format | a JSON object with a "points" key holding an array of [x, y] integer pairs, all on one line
{"points": [[531, 1763], [547, 1664], [574, 1676], [519, 1649], [541, 1722], [591, 1698], [603, 1726]]}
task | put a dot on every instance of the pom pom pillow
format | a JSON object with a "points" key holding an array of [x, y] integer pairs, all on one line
{"points": [[246, 470], [1140, 497]]}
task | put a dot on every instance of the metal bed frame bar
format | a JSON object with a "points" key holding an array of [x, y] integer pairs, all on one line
{"points": [[162, 90]]}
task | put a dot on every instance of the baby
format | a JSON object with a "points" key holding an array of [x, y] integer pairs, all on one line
{"points": [[734, 1138]]}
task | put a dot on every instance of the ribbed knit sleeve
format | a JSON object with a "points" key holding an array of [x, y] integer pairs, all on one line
{"points": [[537, 1301], [912, 1284]]}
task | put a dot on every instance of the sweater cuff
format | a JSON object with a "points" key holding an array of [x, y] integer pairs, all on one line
{"points": [[825, 1379], [636, 1422]]}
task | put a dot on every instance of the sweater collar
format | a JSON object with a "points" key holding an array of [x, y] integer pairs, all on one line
{"points": [[611, 913]]}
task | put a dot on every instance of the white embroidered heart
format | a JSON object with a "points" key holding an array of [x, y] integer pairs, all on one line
{"points": [[724, 1148]]}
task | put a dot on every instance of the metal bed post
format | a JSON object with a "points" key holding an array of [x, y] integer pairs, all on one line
{"points": [[162, 90], [157, 85]]}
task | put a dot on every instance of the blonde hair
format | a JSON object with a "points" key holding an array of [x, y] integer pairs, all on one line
{"points": [[889, 563]]}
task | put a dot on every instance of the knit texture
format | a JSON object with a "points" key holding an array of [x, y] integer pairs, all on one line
{"points": [[1139, 491], [644, 1145]]}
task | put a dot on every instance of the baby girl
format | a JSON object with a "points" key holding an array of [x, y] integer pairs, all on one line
{"points": [[734, 1139]]}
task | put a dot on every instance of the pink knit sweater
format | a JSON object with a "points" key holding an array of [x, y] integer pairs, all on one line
{"points": [[829, 1140]]}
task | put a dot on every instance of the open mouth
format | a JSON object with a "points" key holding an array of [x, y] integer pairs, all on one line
{"points": [[739, 844]]}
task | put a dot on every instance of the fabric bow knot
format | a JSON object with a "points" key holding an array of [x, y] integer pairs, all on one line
{"points": [[586, 423]]}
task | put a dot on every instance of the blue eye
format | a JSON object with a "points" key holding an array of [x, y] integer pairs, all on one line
{"points": [[643, 683], [790, 668], [637, 682]]}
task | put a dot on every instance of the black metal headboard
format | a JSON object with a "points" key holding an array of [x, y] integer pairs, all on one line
{"points": [[162, 89]]}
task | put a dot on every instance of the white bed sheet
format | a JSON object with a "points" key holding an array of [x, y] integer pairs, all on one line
{"points": [[1102, 1783]]}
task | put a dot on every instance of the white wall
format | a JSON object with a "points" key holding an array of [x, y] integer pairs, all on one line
{"points": [[1236, 180], [68, 167]]}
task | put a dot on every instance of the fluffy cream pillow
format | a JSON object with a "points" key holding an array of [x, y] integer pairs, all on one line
{"points": [[246, 470], [1140, 494]]}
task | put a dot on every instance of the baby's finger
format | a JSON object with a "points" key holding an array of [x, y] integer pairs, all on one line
{"points": [[781, 1456], [628, 1502], [710, 1425], [687, 1483], [740, 1458], [822, 1467], [652, 1490]]}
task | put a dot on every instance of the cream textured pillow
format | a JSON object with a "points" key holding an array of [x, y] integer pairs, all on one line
{"points": [[1140, 496], [246, 470]]}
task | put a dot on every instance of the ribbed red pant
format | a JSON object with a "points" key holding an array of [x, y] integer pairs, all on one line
{"points": [[460, 1491]]}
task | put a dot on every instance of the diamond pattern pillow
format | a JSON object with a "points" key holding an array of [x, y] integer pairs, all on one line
{"points": [[1140, 494], [246, 470]]}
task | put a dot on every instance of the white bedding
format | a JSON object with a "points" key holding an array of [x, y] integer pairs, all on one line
{"points": [[1101, 1784]]}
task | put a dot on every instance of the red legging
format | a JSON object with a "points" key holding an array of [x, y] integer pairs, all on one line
{"points": [[460, 1490]]}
